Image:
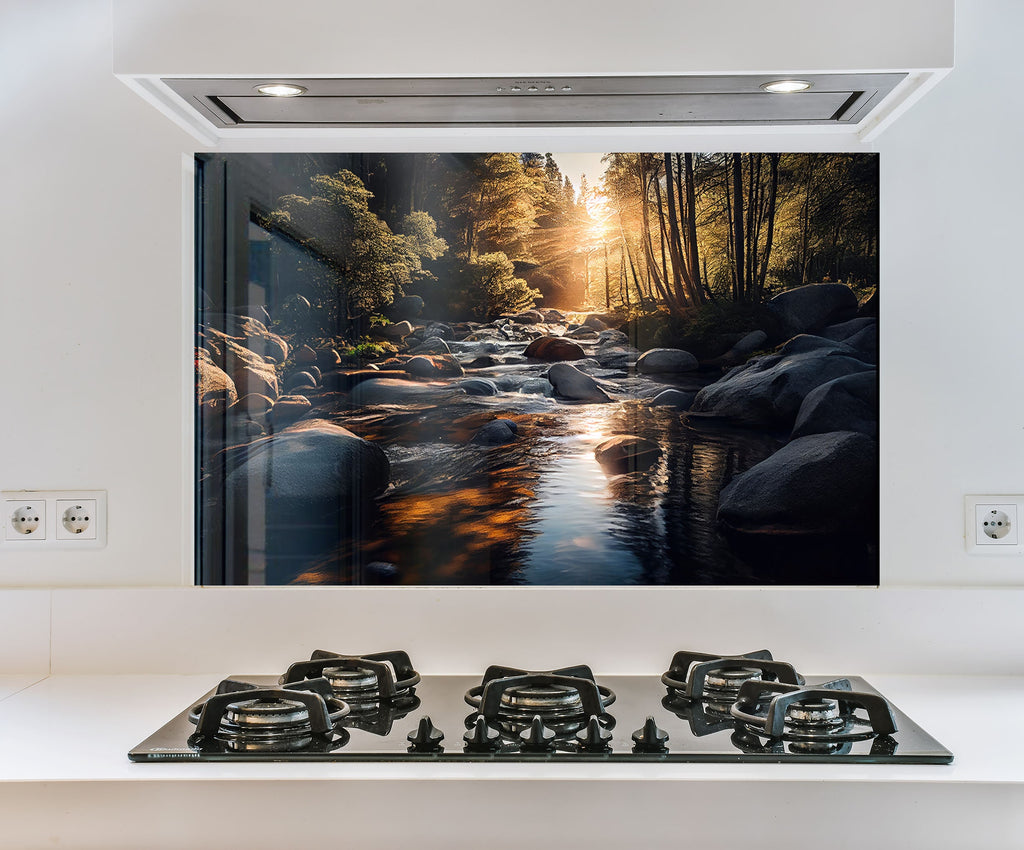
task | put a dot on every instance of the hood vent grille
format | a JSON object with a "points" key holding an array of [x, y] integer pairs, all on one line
{"points": [[837, 99]]}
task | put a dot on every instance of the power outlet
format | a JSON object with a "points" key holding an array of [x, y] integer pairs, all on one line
{"points": [[54, 519], [991, 525], [25, 520]]}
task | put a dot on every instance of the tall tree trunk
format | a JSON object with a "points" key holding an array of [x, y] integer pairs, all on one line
{"points": [[773, 189], [607, 281], [739, 251], [691, 224]]}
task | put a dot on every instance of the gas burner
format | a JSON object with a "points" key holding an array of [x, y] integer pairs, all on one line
{"points": [[563, 699], [717, 679], [242, 717], [816, 719], [364, 681]]}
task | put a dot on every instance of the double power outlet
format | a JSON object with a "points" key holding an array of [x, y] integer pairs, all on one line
{"points": [[991, 525], [54, 519]]}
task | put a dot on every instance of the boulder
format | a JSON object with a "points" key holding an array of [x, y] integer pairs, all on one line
{"points": [[666, 360], [305, 355], [768, 391], [253, 404], [434, 366], [288, 409], [844, 330], [849, 403], [308, 471], [583, 333], [496, 433], [535, 386], [250, 372], [554, 348], [251, 333], [679, 399], [611, 337], [394, 332], [626, 453], [328, 358], [212, 381], [299, 379], [595, 322], [551, 315], [440, 330], [570, 383], [868, 305], [529, 317], [342, 381], [431, 345], [865, 343], [808, 308], [396, 391], [478, 386], [819, 484], [407, 307], [617, 356]]}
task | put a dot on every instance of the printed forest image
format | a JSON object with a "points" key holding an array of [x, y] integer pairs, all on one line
{"points": [[537, 368]]}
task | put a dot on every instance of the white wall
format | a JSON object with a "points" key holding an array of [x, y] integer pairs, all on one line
{"points": [[91, 353]]}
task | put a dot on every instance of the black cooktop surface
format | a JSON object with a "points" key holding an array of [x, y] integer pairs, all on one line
{"points": [[628, 718]]}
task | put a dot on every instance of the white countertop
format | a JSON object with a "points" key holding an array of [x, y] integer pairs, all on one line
{"points": [[64, 741]]}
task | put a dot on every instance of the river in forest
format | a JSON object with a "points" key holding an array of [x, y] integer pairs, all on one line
{"points": [[542, 510]]}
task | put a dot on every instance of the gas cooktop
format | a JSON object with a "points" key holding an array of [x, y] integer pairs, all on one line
{"points": [[704, 708]]}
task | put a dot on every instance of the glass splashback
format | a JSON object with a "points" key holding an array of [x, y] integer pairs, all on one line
{"points": [[535, 368]]}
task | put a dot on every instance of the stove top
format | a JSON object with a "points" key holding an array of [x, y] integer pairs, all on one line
{"points": [[704, 708]]}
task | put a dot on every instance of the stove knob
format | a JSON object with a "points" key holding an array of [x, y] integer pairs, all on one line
{"points": [[650, 739], [427, 737], [595, 738], [482, 738], [538, 738]]}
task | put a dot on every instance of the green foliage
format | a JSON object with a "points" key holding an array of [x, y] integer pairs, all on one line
{"points": [[491, 288], [355, 264], [707, 332]]}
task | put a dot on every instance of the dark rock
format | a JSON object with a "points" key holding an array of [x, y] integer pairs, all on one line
{"points": [[529, 317], [570, 383], [844, 330], [342, 381], [253, 404], [305, 355], [845, 404], [819, 484], [311, 470], [299, 379], [594, 321], [551, 315], [434, 366], [612, 337], [496, 433], [250, 372], [679, 399], [535, 386], [395, 391], [626, 453], [440, 330], [554, 348], [583, 333], [328, 358], [478, 386], [808, 308], [315, 372], [865, 342], [394, 332], [211, 380], [617, 356], [288, 409], [768, 391], [408, 307], [380, 572], [484, 361], [662, 360], [431, 345], [868, 306]]}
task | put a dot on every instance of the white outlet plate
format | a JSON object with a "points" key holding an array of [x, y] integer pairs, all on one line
{"points": [[24, 520], [52, 533], [980, 512]]}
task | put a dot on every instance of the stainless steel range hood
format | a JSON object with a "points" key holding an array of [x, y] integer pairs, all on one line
{"points": [[482, 70], [546, 101]]}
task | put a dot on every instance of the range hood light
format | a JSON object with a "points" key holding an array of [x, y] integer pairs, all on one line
{"points": [[786, 86], [280, 89]]}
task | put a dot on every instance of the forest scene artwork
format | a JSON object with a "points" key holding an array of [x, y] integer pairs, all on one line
{"points": [[537, 368]]}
